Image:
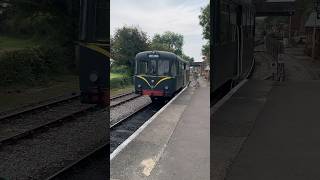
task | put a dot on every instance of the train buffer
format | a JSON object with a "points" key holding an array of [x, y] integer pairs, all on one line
{"points": [[175, 145], [268, 130]]}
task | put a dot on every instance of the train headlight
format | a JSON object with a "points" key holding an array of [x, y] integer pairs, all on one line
{"points": [[166, 87], [139, 85], [93, 77]]}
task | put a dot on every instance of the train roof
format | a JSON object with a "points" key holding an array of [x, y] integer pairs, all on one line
{"points": [[163, 54]]}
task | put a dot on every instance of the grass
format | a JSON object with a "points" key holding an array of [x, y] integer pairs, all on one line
{"points": [[17, 96], [12, 43], [125, 89], [117, 91], [116, 75]]}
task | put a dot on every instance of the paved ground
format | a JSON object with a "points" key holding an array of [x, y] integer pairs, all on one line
{"points": [[232, 123], [270, 134], [284, 143], [174, 146], [298, 67]]}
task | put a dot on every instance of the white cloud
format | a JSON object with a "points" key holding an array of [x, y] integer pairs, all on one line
{"points": [[158, 16]]}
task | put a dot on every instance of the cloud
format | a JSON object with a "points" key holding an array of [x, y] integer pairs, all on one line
{"points": [[158, 16]]}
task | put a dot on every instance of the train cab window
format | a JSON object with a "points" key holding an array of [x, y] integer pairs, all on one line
{"points": [[173, 69], [152, 67], [142, 67], [163, 67]]}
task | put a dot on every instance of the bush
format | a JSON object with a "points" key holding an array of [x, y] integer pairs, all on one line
{"points": [[120, 82], [31, 66], [120, 69]]}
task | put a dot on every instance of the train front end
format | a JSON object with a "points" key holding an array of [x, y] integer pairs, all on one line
{"points": [[93, 51], [153, 76]]}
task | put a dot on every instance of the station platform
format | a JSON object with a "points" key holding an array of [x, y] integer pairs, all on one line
{"points": [[175, 145], [268, 130]]}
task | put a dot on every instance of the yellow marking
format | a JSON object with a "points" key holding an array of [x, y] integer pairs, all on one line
{"points": [[162, 80], [95, 47], [148, 165], [141, 77]]}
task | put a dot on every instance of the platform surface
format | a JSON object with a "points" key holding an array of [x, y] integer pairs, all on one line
{"points": [[283, 141], [175, 145]]}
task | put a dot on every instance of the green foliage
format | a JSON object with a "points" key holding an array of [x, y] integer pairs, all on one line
{"points": [[187, 58], [204, 18], [120, 82], [48, 20], [206, 51], [30, 66], [168, 41], [126, 43], [122, 69]]}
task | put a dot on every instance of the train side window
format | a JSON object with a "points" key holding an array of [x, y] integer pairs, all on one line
{"points": [[224, 23], [248, 23], [253, 21], [244, 19], [233, 22], [173, 69]]}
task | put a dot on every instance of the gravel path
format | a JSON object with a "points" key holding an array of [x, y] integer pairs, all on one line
{"points": [[17, 125], [122, 111], [46, 153], [123, 98]]}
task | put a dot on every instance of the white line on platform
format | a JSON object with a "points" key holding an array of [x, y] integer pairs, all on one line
{"points": [[227, 97], [136, 133]]}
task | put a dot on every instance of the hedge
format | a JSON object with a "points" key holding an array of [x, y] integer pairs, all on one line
{"points": [[120, 82], [30, 66]]}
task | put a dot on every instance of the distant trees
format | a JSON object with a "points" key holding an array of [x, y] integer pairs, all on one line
{"points": [[54, 20], [128, 41], [168, 41], [204, 21]]}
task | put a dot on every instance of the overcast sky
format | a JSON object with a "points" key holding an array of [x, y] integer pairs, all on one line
{"points": [[158, 16]]}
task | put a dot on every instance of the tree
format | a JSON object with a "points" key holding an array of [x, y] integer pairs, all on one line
{"points": [[204, 21], [206, 51], [168, 41], [126, 43], [204, 18], [187, 58]]}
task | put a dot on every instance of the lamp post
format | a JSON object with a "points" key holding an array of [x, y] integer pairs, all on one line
{"points": [[317, 16]]}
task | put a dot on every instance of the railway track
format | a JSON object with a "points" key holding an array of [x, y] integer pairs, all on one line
{"points": [[29, 121], [122, 98], [94, 165]]}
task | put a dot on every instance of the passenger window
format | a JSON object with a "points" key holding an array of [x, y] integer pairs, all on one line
{"points": [[173, 69]]}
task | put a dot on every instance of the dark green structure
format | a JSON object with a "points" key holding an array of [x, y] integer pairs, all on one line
{"points": [[160, 74]]}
